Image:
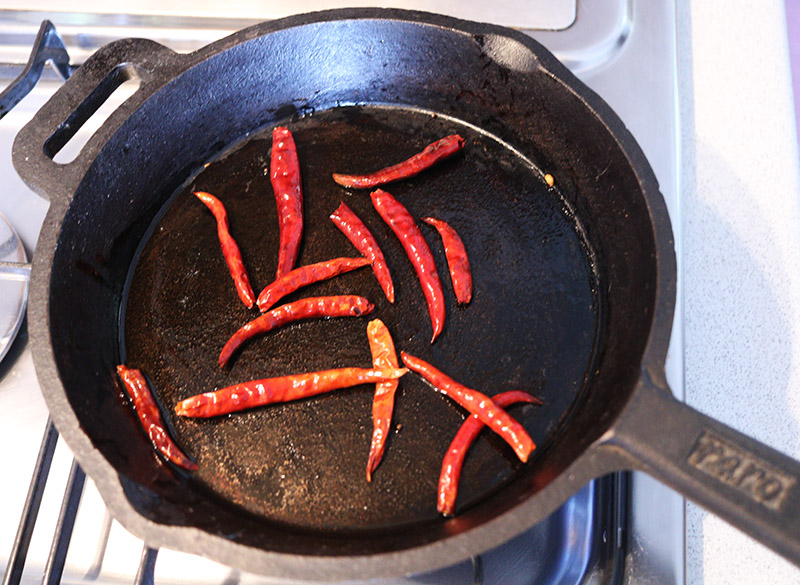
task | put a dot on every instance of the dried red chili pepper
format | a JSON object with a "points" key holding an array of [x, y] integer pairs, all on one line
{"points": [[285, 178], [150, 417], [281, 389], [305, 275], [477, 403], [457, 260], [230, 250], [383, 356], [430, 155], [310, 308], [358, 234], [405, 228], [454, 458]]}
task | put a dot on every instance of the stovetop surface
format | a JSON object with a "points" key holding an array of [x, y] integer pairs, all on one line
{"points": [[624, 55]]}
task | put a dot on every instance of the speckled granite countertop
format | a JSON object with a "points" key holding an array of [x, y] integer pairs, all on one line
{"points": [[741, 247]]}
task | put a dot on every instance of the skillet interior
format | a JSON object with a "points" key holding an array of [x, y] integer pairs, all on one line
{"points": [[531, 324], [471, 77]]}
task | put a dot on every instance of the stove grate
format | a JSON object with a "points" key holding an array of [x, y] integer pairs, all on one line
{"points": [[62, 536]]}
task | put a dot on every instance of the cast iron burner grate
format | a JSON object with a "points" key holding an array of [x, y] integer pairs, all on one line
{"points": [[64, 526]]}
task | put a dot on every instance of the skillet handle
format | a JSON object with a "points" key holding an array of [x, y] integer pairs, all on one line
{"points": [[744, 482], [75, 102]]}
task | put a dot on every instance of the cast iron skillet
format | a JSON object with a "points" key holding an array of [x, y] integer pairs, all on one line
{"points": [[574, 298]]}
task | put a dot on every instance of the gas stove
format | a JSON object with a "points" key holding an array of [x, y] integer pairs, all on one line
{"points": [[625, 528]]}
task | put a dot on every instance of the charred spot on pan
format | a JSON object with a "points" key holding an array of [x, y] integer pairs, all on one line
{"points": [[216, 147], [91, 271], [285, 112]]}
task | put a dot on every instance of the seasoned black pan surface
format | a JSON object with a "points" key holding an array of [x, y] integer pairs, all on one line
{"points": [[531, 324]]}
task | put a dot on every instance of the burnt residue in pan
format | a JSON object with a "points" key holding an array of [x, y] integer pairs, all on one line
{"points": [[531, 325]]}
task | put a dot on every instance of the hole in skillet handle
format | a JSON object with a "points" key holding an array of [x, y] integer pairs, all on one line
{"points": [[124, 80]]}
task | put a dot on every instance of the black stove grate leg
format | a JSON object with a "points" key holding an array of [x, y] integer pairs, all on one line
{"points": [[147, 566], [30, 511], [66, 522], [47, 47]]}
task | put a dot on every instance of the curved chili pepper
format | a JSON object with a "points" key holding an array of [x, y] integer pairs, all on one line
{"points": [[358, 234], [430, 155], [285, 179], [383, 356], [457, 260], [230, 250], [310, 308], [477, 403], [305, 275], [150, 417], [282, 389], [405, 228], [454, 459]]}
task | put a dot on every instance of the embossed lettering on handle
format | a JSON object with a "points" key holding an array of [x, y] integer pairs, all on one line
{"points": [[741, 470]]}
